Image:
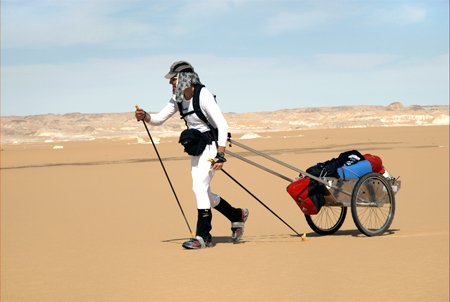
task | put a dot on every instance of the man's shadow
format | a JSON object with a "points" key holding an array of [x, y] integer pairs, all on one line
{"points": [[216, 240], [279, 237]]}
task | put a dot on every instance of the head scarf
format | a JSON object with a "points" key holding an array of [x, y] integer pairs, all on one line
{"points": [[185, 80]]}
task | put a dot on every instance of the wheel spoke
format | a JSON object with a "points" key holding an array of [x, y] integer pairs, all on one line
{"points": [[328, 220]]}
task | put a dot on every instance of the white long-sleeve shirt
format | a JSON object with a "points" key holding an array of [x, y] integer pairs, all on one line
{"points": [[210, 109]]}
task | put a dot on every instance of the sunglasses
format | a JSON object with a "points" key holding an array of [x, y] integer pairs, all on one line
{"points": [[174, 78]]}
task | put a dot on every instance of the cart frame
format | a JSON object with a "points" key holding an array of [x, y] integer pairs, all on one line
{"points": [[370, 197]]}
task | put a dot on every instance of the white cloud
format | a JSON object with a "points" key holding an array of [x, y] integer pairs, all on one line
{"points": [[203, 9], [319, 15], [354, 61], [64, 23], [404, 15], [310, 15], [118, 24], [291, 21]]}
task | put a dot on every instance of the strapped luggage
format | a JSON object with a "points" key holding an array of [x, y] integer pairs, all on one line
{"points": [[376, 163], [307, 194], [356, 170]]}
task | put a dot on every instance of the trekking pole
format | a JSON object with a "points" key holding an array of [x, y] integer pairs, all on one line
{"points": [[162, 165], [259, 201]]}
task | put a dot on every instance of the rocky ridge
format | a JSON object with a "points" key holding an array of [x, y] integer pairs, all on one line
{"points": [[78, 126]]}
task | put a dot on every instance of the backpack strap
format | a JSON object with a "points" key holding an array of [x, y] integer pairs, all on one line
{"points": [[196, 104]]}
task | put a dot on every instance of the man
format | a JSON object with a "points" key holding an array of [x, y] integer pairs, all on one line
{"points": [[185, 81]]}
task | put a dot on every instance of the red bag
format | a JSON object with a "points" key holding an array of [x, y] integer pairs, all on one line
{"points": [[307, 195], [375, 162]]}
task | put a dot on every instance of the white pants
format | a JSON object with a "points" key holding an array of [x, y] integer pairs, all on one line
{"points": [[202, 175]]}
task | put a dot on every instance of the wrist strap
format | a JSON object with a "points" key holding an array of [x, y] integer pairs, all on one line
{"points": [[220, 159]]}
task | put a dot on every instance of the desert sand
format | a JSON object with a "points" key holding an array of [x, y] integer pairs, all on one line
{"points": [[97, 221]]}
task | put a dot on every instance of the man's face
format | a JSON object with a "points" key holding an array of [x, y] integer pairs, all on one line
{"points": [[173, 81]]}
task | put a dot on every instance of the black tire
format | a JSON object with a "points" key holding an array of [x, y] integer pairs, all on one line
{"points": [[328, 221], [374, 214]]}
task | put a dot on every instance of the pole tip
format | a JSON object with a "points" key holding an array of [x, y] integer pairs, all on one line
{"points": [[192, 235], [137, 107]]}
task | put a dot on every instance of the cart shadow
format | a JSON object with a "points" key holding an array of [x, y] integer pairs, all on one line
{"points": [[353, 233]]}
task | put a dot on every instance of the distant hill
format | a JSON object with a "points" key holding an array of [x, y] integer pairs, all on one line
{"points": [[77, 126]]}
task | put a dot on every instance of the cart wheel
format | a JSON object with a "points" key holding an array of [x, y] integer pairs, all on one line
{"points": [[328, 220], [373, 204]]}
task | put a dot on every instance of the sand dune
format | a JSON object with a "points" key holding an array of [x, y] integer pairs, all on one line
{"points": [[97, 221]]}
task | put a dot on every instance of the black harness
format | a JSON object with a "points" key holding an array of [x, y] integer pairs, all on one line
{"points": [[198, 111]]}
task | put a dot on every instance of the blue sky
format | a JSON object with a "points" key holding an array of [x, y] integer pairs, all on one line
{"points": [[105, 56]]}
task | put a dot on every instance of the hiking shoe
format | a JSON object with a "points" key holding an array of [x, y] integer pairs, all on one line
{"points": [[197, 243], [237, 228]]}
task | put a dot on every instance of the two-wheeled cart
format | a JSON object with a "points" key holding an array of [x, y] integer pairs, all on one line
{"points": [[371, 198]]}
